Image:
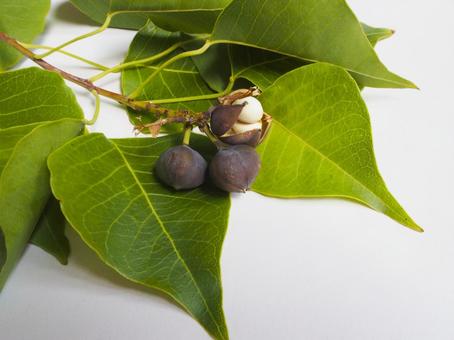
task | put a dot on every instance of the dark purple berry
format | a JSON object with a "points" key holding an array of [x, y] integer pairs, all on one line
{"points": [[181, 168], [234, 169]]}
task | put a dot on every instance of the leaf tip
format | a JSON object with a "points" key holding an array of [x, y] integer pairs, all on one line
{"points": [[414, 86], [413, 226]]}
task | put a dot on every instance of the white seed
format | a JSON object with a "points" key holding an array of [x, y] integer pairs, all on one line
{"points": [[252, 111], [241, 127]]}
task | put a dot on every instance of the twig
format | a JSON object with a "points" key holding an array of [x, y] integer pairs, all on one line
{"points": [[183, 116]]}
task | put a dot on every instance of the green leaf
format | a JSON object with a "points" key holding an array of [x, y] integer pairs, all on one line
{"points": [[22, 19], [181, 79], [31, 96], [49, 233], [263, 68], [320, 144], [3, 254], [214, 65], [24, 185], [191, 16], [375, 34], [310, 30], [38, 113], [167, 240], [260, 67]]}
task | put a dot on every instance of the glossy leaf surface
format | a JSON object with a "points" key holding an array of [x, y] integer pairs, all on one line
{"points": [[180, 79], [191, 16], [320, 144], [22, 19], [310, 30], [167, 240]]}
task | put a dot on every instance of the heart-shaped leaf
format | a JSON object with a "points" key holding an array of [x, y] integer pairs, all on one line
{"points": [[191, 16], [320, 144], [38, 113], [49, 233], [23, 20], [310, 30], [167, 240]]}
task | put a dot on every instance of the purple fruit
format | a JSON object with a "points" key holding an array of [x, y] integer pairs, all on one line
{"points": [[234, 169], [181, 167]]}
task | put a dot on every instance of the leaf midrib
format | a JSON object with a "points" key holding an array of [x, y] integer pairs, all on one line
{"points": [[167, 10], [345, 172], [166, 233], [226, 41]]}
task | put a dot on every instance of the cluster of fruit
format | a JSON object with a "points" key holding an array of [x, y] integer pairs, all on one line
{"points": [[239, 125]]}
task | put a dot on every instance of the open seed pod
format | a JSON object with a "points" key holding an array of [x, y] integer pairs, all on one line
{"points": [[226, 122]]}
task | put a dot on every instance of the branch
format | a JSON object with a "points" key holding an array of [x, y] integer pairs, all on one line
{"points": [[184, 116]]}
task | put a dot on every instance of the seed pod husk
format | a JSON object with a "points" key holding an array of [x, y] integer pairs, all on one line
{"points": [[223, 117], [251, 138]]}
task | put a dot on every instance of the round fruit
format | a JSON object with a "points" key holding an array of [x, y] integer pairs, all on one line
{"points": [[234, 169], [181, 168], [252, 111]]}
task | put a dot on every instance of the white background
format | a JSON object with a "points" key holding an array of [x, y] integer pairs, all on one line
{"points": [[292, 269]]}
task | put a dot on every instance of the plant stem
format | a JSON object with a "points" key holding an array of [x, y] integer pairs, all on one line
{"points": [[140, 62], [137, 92], [195, 98], [187, 134], [181, 116], [69, 54], [206, 130], [97, 109], [104, 26]]}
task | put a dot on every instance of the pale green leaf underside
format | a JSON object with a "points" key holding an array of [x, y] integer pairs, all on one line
{"points": [[320, 144], [191, 16], [49, 233], [313, 30], [160, 238], [180, 79], [33, 108], [23, 20]]}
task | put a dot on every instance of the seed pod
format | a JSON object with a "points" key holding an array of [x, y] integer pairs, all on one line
{"points": [[226, 123], [223, 117], [234, 169], [181, 168], [251, 138]]}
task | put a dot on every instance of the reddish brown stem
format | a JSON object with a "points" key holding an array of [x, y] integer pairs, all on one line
{"points": [[184, 116]]}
